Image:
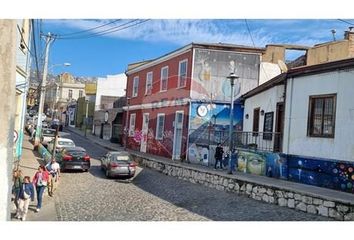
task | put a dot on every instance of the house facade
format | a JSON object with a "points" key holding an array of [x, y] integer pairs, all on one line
{"points": [[314, 125], [173, 100]]}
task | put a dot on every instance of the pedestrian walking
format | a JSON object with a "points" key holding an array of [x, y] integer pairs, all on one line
{"points": [[17, 183], [25, 196], [40, 181], [219, 152], [54, 173], [233, 160]]}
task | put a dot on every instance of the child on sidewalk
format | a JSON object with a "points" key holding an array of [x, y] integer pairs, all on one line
{"points": [[25, 196]]}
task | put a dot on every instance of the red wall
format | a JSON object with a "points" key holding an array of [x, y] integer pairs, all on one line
{"points": [[172, 90], [162, 147]]}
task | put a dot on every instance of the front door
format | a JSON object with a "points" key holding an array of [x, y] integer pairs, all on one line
{"points": [[279, 125], [177, 143], [145, 130]]}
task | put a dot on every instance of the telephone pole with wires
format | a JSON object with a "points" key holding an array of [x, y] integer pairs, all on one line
{"points": [[49, 40]]}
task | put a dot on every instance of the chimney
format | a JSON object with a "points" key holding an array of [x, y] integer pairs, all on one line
{"points": [[349, 35]]}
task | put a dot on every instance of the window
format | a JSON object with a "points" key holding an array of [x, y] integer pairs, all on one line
{"points": [[132, 124], [80, 93], [255, 121], [135, 86], [160, 126], [322, 115], [182, 73], [70, 95], [148, 87], [164, 78], [268, 125]]}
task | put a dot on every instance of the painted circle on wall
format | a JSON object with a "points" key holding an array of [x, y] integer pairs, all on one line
{"points": [[335, 170]]}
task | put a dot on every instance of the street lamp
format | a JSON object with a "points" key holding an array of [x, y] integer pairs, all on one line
{"points": [[86, 118], [232, 77]]}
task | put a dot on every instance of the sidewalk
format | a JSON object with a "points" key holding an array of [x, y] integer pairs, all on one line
{"points": [[29, 164]]}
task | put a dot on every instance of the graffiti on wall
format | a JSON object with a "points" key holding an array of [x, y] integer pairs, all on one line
{"points": [[262, 163], [208, 127], [322, 172], [211, 68]]}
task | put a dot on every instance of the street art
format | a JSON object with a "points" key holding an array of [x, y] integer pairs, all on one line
{"points": [[209, 127], [211, 68], [322, 172], [262, 163]]}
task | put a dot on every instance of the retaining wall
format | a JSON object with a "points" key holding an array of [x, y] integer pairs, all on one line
{"points": [[259, 190]]}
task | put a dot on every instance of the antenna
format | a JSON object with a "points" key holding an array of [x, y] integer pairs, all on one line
{"points": [[333, 31], [282, 66]]}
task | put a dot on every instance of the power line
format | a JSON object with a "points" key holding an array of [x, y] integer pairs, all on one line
{"points": [[110, 30], [341, 20], [100, 32], [87, 30], [254, 45]]}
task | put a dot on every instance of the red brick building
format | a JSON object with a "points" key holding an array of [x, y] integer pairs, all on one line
{"points": [[161, 93]]}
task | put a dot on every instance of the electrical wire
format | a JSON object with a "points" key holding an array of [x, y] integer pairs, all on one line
{"points": [[254, 45], [100, 32], [350, 23], [87, 30], [108, 31]]}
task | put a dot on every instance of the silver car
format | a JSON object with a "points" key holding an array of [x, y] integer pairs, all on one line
{"points": [[118, 164]]}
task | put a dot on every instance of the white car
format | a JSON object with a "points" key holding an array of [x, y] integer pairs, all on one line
{"points": [[61, 142], [47, 135]]}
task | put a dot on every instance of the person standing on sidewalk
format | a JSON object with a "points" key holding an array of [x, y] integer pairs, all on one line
{"points": [[219, 152], [40, 181], [16, 188], [25, 196], [54, 170], [233, 160]]}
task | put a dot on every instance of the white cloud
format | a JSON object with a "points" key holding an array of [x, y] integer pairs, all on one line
{"points": [[180, 32]]}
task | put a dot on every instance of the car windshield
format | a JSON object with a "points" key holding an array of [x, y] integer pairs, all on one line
{"points": [[76, 153], [120, 157], [66, 143], [48, 132]]}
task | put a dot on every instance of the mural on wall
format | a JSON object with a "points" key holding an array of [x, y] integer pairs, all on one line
{"points": [[211, 68], [322, 173], [262, 163], [209, 125]]}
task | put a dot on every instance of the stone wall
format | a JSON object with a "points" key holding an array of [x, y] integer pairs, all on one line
{"points": [[286, 198]]}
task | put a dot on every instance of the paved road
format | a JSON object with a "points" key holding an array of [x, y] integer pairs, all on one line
{"points": [[153, 196]]}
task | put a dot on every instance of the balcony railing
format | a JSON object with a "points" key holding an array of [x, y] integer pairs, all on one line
{"points": [[265, 141]]}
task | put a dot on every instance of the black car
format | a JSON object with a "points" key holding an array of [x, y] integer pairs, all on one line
{"points": [[73, 158]]}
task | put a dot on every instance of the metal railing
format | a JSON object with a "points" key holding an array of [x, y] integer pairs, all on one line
{"points": [[265, 141]]}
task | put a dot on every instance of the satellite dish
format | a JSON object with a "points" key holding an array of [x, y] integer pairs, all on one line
{"points": [[282, 66]]}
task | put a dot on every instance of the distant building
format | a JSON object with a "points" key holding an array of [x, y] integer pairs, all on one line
{"points": [[113, 86]]}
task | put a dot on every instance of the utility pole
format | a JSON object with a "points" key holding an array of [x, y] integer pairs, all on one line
{"points": [[232, 78], [7, 109], [49, 40]]}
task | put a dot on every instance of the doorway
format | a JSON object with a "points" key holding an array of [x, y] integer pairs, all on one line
{"points": [[178, 133], [145, 130], [279, 127]]}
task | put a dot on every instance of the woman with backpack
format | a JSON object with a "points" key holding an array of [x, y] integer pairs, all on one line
{"points": [[40, 181]]}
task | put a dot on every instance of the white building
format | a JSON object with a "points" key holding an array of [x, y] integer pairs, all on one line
{"points": [[112, 85], [319, 111]]}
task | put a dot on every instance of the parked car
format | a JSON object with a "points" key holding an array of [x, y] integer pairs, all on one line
{"points": [[55, 123], [118, 164], [74, 158], [61, 143], [47, 136]]}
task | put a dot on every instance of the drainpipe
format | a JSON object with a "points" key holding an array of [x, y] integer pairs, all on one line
{"points": [[289, 115]]}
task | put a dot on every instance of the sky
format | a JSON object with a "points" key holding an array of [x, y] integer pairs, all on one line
{"points": [[111, 53]]}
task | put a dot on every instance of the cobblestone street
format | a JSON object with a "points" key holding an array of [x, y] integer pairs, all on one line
{"points": [[152, 196]]}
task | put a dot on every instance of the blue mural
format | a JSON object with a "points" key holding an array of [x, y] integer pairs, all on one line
{"points": [[209, 125], [322, 172]]}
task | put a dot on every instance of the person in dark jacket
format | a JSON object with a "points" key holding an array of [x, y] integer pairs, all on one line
{"points": [[17, 178], [219, 152], [25, 196]]}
